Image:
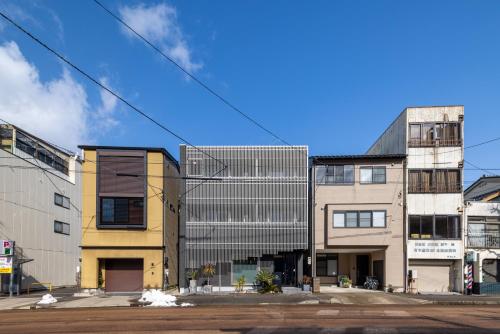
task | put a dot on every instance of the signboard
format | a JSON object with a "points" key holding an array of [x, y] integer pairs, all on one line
{"points": [[5, 265], [435, 249], [6, 247]]}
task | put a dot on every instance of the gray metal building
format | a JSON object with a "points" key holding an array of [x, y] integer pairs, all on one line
{"points": [[252, 216], [40, 208]]}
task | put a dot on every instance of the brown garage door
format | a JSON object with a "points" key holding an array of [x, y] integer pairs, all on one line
{"points": [[124, 275]]}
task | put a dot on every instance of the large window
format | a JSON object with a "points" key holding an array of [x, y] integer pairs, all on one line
{"points": [[434, 227], [326, 265], [122, 211], [435, 134], [335, 174], [61, 200], [434, 181], [354, 219], [482, 234], [372, 174], [61, 228]]}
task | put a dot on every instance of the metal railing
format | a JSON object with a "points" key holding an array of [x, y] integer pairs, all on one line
{"points": [[484, 240], [434, 142], [434, 188]]}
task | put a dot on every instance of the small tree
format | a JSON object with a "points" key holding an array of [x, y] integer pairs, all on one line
{"points": [[208, 271]]}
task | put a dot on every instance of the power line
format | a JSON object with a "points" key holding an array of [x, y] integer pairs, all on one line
{"points": [[479, 168], [191, 75], [102, 86]]}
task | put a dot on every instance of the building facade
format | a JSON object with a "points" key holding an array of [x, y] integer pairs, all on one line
{"points": [[251, 216], [130, 218], [432, 139], [482, 209], [357, 219], [40, 209]]}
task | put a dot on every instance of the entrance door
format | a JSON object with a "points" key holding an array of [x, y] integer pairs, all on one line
{"points": [[378, 272], [362, 268], [124, 275]]}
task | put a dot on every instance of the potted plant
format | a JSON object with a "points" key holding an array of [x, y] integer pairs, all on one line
{"points": [[265, 282], [240, 283], [345, 282], [208, 271], [306, 283], [192, 275]]}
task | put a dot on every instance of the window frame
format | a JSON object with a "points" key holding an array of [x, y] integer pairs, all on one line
{"points": [[372, 178], [333, 256], [459, 237], [434, 186], [333, 175], [358, 218], [62, 224], [435, 140], [121, 225], [56, 195]]}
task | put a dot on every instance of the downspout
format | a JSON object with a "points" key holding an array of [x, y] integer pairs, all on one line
{"points": [[405, 234]]}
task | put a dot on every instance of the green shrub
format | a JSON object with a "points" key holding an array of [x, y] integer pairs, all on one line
{"points": [[264, 280]]}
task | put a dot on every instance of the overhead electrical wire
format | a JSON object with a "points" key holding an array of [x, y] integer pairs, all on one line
{"points": [[191, 75]]}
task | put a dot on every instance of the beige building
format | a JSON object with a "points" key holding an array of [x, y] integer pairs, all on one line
{"points": [[357, 219], [129, 218]]}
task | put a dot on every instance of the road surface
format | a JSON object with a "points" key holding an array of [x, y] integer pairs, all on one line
{"points": [[348, 319]]}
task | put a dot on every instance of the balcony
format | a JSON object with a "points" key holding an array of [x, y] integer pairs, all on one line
{"points": [[434, 142], [440, 188], [484, 240]]}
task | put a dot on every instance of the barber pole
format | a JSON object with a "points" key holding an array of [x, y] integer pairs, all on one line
{"points": [[469, 277]]}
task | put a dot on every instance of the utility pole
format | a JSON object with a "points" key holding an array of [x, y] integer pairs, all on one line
{"points": [[11, 280]]}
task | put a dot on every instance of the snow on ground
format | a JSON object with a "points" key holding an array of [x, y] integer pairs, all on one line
{"points": [[157, 298], [47, 299]]}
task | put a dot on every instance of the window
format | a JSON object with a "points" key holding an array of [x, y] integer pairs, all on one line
{"points": [[60, 227], [61, 200], [434, 181], [122, 211], [336, 174], [369, 174], [434, 134], [434, 227], [482, 234], [354, 219], [326, 264]]}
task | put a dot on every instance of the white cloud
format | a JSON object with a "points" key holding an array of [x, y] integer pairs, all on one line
{"points": [[158, 23], [56, 110], [104, 115]]}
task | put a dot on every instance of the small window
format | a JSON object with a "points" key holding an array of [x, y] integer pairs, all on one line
{"points": [[359, 219], [371, 174], [378, 218], [61, 228], [61, 200], [351, 219], [335, 174], [127, 211], [339, 220], [365, 219]]}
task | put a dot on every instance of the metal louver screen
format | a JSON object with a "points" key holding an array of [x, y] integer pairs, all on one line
{"points": [[258, 208], [121, 175]]}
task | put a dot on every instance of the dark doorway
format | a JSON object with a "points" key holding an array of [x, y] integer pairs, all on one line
{"points": [[362, 268], [378, 272], [124, 275], [285, 267]]}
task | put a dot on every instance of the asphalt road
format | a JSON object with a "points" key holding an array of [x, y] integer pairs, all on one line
{"points": [[348, 319]]}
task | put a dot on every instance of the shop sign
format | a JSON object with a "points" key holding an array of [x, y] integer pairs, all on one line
{"points": [[435, 249], [6, 247], [5, 265]]}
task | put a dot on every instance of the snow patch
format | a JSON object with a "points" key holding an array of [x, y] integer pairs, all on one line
{"points": [[47, 299], [158, 298]]}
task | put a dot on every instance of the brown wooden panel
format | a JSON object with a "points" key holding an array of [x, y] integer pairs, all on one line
{"points": [[121, 174], [124, 275]]}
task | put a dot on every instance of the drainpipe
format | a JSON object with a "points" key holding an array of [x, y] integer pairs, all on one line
{"points": [[405, 233]]}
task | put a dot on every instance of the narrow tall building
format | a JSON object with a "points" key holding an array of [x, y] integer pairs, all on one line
{"points": [[129, 219], [432, 140], [40, 209], [252, 215]]}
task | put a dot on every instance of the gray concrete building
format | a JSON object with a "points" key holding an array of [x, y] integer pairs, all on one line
{"points": [[432, 139], [40, 196], [252, 216], [357, 219]]}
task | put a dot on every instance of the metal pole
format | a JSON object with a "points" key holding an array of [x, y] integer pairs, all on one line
{"points": [[11, 280]]}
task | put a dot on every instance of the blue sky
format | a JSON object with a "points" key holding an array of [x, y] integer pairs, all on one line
{"points": [[332, 74]]}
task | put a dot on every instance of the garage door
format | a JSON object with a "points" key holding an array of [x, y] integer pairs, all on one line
{"points": [[124, 275], [432, 278]]}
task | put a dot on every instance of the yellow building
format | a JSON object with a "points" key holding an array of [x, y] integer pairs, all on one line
{"points": [[129, 218]]}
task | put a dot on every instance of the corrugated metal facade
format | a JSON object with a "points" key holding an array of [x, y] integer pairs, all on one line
{"points": [[258, 208]]}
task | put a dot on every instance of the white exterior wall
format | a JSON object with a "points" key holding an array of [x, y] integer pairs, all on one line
{"points": [[482, 209], [27, 214]]}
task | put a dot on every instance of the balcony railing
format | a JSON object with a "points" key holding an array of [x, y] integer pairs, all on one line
{"points": [[484, 240], [434, 188], [434, 142]]}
